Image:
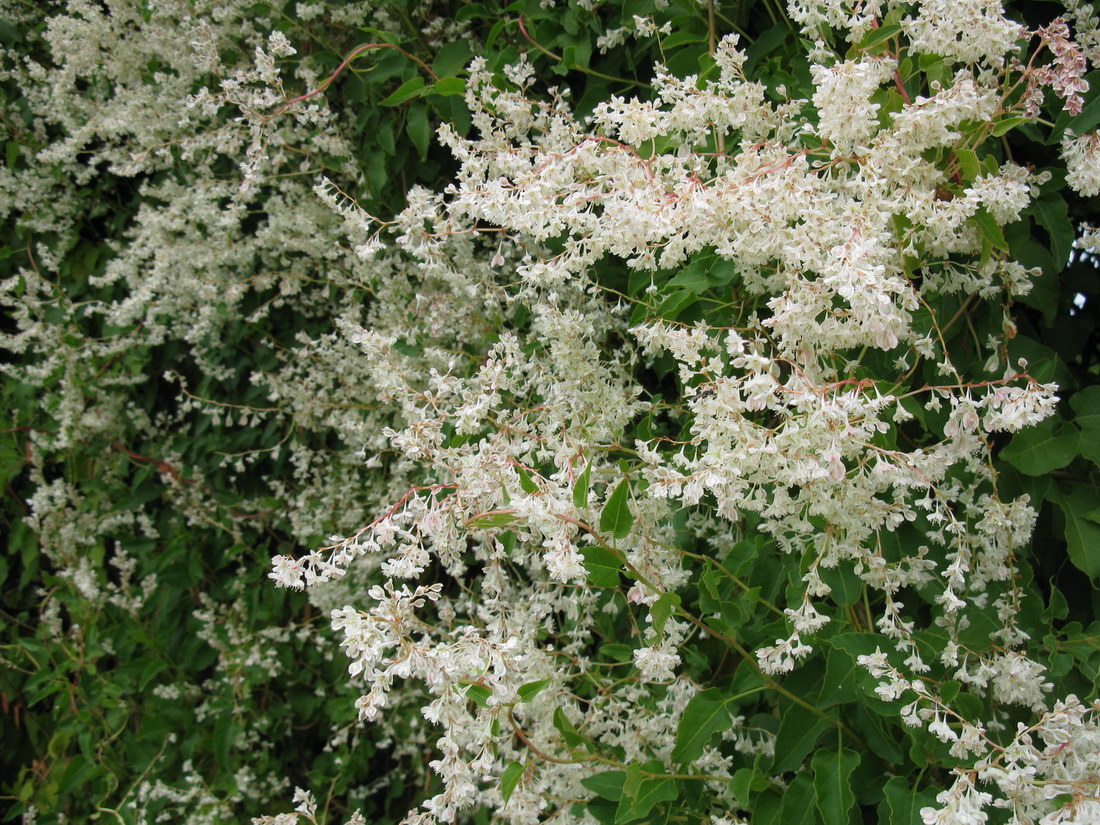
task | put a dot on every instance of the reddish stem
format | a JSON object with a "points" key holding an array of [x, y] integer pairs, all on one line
{"points": [[358, 50], [901, 88]]}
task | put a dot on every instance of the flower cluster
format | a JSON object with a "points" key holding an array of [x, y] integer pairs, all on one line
{"points": [[835, 222]]}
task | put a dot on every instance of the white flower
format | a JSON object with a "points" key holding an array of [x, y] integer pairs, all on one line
{"points": [[962, 804], [563, 561], [1082, 157], [655, 664], [970, 31], [842, 96]]}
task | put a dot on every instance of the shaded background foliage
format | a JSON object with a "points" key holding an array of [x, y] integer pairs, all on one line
{"points": [[215, 683]]}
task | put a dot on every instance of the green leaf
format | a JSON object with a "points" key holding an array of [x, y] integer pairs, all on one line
{"points": [[472, 11], [616, 517], [747, 781], [530, 690], [608, 784], [509, 779], [1082, 534], [577, 54], [693, 277], [494, 32], [617, 652], [798, 803], [676, 303], [741, 785], [714, 588], [682, 38], [934, 68], [968, 164], [580, 488], [492, 520], [1052, 213], [765, 44], [225, 734], [740, 609], [385, 37], [571, 736], [767, 809], [992, 233], [833, 783], [419, 130], [876, 37], [799, 730], [526, 482], [1086, 405], [904, 803], [877, 733], [1045, 289], [80, 770], [151, 670], [479, 694], [1008, 124], [1061, 800], [406, 91], [839, 685], [446, 86], [44, 692], [859, 644], [722, 272], [1049, 445], [662, 609], [846, 585], [602, 565], [452, 58], [641, 793], [704, 716], [651, 792], [600, 809], [949, 690], [969, 706]]}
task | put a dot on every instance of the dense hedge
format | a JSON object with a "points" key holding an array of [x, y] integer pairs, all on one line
{"points": [[676, 412]]}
